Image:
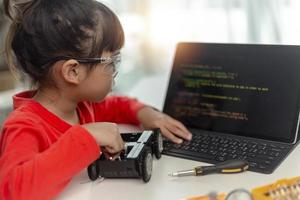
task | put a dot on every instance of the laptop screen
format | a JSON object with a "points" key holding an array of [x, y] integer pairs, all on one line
{"points": [[239, 89]]}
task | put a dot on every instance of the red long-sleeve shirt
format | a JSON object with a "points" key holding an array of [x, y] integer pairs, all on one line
{"points": [[40, 153]]}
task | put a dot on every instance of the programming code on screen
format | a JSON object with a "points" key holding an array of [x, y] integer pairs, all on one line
{"points": [[239, 91], [211, 78]]}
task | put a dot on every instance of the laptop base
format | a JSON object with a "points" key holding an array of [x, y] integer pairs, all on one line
{"points": [[262, 156]]}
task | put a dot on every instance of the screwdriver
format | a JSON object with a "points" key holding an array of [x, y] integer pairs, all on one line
{"points": [[226, 167]]}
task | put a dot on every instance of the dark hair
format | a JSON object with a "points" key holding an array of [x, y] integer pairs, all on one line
{"points": [[44, 29]]}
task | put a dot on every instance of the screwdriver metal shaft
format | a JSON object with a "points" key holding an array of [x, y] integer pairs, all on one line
{"points": [[227, 167], [183, 173]]}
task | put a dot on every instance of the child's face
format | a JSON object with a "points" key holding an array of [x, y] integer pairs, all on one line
{"points": [[99, 81]]}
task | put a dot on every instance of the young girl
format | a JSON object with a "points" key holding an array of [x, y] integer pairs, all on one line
{"points": [[69, 49]]}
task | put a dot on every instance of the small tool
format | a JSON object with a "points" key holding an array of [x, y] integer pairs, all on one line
{"points": [[226, 167]]}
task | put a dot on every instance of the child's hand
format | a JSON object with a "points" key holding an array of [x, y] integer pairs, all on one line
{"points": [[170, 127], [107, 135]]}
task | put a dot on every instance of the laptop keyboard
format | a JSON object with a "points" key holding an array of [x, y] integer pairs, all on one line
{"points": [[262, 156]]}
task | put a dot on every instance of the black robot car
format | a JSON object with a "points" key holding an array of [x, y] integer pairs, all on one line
{"points": [[134, 162]]}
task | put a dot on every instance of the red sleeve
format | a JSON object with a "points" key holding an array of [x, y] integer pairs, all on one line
{"points": [[118, 109], [26, 172]]}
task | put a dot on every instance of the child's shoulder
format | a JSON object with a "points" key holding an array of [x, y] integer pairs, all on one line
{"points": [[24, 108], [23, 115]]}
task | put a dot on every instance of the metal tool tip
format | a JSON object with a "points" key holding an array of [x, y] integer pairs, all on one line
{"points": [[173, 174]]}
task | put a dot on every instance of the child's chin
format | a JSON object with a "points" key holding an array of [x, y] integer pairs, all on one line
{"points": [[97, 99]]}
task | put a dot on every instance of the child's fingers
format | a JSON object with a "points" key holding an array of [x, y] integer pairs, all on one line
{"points": [[181, 129], [110, 156], [120, 141], [176, 131], [121, 145], [170, 135], [111, 151], [114, 148]]}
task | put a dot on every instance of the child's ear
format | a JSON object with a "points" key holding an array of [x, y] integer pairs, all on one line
{"points": [[70, 71]]}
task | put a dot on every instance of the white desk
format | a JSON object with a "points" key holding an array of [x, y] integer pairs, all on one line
{"points": [[162, 187]]}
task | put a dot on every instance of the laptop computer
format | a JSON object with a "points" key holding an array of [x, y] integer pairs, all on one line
{"points": [[240, 101]]}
